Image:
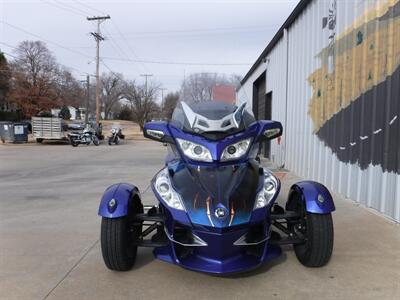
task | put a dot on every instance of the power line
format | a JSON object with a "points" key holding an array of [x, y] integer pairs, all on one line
{"points": [[127, 43], [111, 71], [62, 7], [72, 7], [178, 62], [46, 40], [118, 48], [8, 55], [120, 33], [14, 47], [89, 7], [205, 30]]}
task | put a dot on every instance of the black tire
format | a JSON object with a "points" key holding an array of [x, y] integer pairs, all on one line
{"points": [[116, 140], [39, 141], [96, 141], [117, 236], [110, 141], [118, 255], [317, 250], [73, 143]]}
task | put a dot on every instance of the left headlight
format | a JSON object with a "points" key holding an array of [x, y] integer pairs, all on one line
{"points": [[195, 151], [164, 188], [270, 188], [236, 150]]}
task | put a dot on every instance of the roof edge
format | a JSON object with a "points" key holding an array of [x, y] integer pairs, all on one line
{"points": [[289, 21]]}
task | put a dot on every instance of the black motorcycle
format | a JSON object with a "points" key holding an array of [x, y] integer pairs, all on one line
{"points": [[116, 135], [86, 137]]}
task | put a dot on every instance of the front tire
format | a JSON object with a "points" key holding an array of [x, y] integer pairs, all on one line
{"points": [[96, 141], [74, 143], [118, 237], [118, 253], [317, 250]]}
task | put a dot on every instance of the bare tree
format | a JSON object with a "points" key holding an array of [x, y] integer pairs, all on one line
{"points": [[5, 78], [142, 101], [112, 91], [69, 90], [39, 83], [170, 102], [197, 87], [35, 60]]}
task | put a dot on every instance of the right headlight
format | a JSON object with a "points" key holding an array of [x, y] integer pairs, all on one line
{"points": [[236, 150], [270, 188], [195, 151], [164, 188]]}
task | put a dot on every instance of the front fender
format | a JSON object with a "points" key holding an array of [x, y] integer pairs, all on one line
{"points": [[314, 196], [122, 193]]}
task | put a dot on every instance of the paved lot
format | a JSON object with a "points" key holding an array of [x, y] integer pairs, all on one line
{"points": [[49, 232]]}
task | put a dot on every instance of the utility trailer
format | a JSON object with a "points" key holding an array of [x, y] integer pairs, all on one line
{"points": [[48, 128]]}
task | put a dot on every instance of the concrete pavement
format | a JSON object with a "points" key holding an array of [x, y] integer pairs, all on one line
{"points": [[49, 232]]}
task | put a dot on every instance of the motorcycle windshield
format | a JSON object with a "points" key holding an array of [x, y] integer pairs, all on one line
{"points": [[211, 119], [218, 196]]}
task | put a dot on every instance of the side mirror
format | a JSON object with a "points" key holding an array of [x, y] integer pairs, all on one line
{"points": [[158, 131], [270, 129]]}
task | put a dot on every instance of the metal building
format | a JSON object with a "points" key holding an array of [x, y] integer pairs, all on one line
{"points": [[331, 75]]}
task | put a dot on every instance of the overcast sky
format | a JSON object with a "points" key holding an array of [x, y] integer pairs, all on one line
{"points": [[200, 32]]}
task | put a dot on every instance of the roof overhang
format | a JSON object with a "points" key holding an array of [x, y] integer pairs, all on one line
{"points": [[289, 21]]}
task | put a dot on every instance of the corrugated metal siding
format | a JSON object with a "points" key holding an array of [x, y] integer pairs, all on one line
{"points": [[336, 103]]}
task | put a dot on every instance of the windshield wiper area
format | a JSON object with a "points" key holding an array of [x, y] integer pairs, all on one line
{"points": [[200, 123]]}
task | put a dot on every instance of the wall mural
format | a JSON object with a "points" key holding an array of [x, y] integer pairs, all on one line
{"points": [[355, 107]]}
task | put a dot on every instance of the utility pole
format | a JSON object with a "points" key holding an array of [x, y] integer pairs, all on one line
{"points": [[87, 98], [146, 75], [98, 38], [162, 101]]}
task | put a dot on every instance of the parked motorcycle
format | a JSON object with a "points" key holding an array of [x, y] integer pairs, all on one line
{"points": [[116, 135], [87, 136], [216, 206]]}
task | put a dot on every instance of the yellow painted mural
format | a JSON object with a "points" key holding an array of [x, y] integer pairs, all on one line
{"points": [[363, 56]]}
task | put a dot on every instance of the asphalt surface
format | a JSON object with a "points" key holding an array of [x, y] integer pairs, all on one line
{"points": [[49, 237]]}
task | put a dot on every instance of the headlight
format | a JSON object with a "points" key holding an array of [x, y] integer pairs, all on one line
{"points": [[265, 196], [113, 130], [167, 193], [195, 151], [235, 151]]}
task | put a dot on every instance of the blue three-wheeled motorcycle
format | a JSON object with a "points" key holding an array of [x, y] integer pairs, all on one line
{"points": [[217, 209]]}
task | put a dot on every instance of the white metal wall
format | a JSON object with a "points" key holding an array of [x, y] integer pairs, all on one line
{"points": [[306, 155]]}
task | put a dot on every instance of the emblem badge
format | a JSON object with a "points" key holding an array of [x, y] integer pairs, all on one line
{"points": [[220, 212]]}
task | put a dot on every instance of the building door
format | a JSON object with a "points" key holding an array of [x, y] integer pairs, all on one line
{"points": [[267, 116], [262, 107]]}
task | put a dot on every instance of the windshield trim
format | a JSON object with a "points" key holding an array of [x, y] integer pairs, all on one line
{"points": [[198, 122]]}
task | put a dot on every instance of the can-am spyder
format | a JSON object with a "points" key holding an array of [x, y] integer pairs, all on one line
{"points": [[216, 210]]}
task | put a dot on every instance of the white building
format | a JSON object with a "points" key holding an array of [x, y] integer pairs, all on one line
{"points": [[331, 75]]}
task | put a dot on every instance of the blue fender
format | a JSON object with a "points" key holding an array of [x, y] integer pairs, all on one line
{"points": [[314, 195], [121, 194]]}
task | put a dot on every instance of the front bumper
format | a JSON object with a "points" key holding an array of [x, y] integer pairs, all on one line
{"points": [[220, 255]]}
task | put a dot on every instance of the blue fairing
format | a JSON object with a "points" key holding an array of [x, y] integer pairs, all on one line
{"points": [[315, 196], [220, 256], [121, 193], [204, 187]]}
